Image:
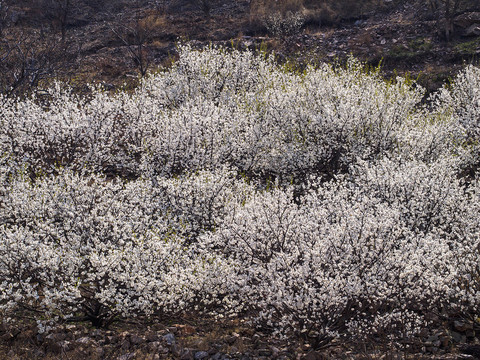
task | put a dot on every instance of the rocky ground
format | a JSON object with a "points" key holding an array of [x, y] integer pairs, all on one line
{"points": [[106, 40], [207, 339]]}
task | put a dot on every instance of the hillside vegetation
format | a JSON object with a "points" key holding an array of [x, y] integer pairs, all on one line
{"points": [[328, 206]]}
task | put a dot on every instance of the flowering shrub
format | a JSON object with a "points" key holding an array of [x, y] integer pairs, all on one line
{"points": [[207, 112], [373, 255], [104, 248], [279, 24], [322, 204], [462, 103]]}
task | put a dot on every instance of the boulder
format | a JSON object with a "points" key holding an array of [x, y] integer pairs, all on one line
{"points": [[473, 30], [466, 20]]}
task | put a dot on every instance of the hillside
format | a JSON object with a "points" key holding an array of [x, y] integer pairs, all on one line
{"points": [[83, 41]]}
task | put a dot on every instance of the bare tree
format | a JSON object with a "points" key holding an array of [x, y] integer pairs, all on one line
{"points": [[4, 13], [58, 11], [135, 36]]}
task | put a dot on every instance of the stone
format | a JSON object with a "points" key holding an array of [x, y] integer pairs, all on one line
{"points": [[230, 340], [457, 337], [163, 350], [97, 333], [84, 340], [111, 339], [100, 352], [173, 329], [473, 350], [313, 355], [466, 20], [128, 356], [136, 340], [264, 352], [200, 355], [125, 345], [187, 354], [169, 338], [152, 337], [177, 350], [473, 30], [462, 326], [66, 345]]}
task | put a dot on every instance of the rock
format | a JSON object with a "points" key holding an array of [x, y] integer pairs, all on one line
{"points": [[111, 339], [466, 20], [100, 352], [462, 326], [128, 356], [153, 346], [169, 338], [200, 355], [230, 340], [66, 345], [431, 339], [136, 340], [177, 350], [97, 333], [173, 329], [187, 354], [15, 16], [152, 337], [275, 351], [125, 345], [457, 337], [313, 355], [163, 350], [473, 350], [84, 340], [473, 30], [264, 352]]}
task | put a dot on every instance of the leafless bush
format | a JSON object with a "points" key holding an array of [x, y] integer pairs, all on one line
{"points": [[30, 58], [135, 36]]}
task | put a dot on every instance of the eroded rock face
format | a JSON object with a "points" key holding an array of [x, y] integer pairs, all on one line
{"points": [[473, 30], [467, 20]]}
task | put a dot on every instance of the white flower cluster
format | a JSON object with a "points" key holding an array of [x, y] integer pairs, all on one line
{"points": [[320, 204]]}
